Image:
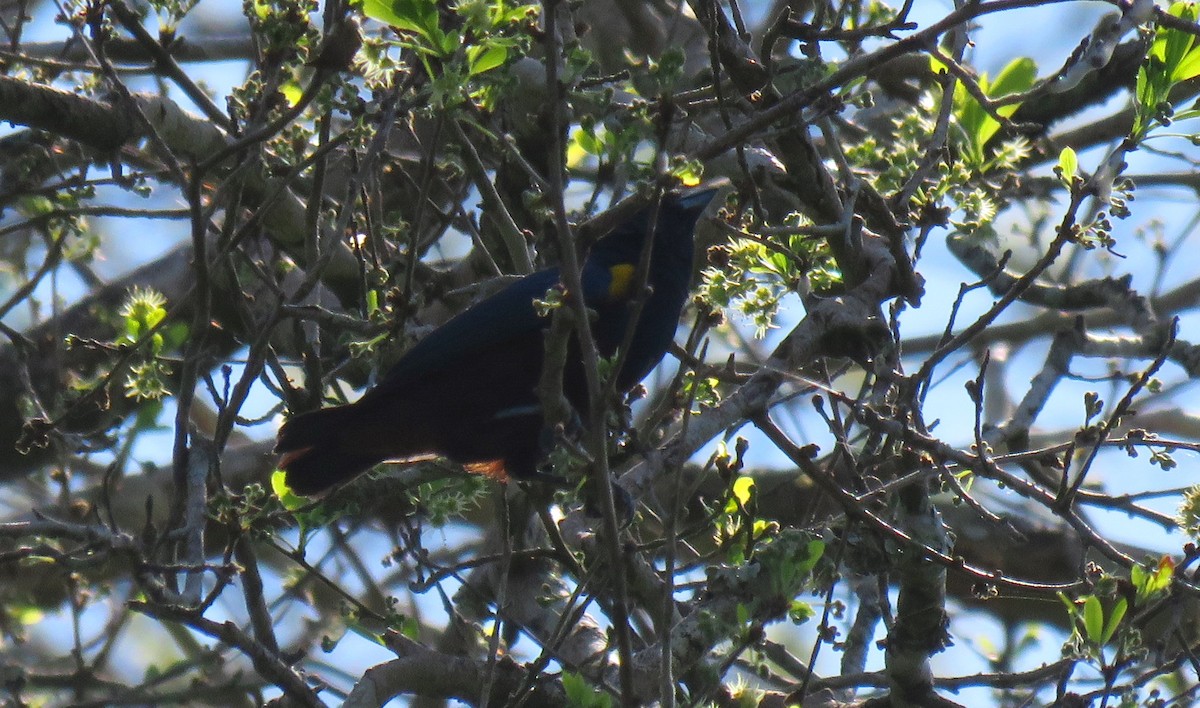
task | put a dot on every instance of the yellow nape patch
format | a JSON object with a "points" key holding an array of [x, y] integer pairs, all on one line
{"points": [[621, 285]]}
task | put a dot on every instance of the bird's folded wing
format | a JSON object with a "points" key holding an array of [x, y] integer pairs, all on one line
{"points": [[486, 324]]}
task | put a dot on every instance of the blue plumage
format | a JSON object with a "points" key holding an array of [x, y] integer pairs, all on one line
{"points": [[468, 390]]}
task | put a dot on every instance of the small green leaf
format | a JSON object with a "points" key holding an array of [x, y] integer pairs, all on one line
{"points": [[36, 205], [815, 549], [1114, 619], [292, 92], [1152, 583], [688, 172], [1068, 166], [1187, 68], [1066, 601], [1177, 43], [978, 124], [483, 58], [286, 496], [1163, 573], [419, 16], [590, 141], [447, 42], [382, 11], [175, 334], [1017, 76], [800, 612], [1093, 619], [581, 694], [411, 628], [743, 489], [25, 614]]}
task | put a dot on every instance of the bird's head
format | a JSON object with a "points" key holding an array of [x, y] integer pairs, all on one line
{"points": [[673, 244]]}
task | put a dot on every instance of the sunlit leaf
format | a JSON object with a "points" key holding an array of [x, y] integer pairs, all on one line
{"points": [[743, 489], [1068, 166], [1114, 619], [1188, 67], [292, 92], [483, 58], [1093, 619], [284, 493], [418, 16]]}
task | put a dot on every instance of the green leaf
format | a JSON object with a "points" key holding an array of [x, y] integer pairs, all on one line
{"points": [[292, 92], [25, 614], [481, 58], [1176, 44], [1071, 609], [743, 490], [1093, 619], [581, 694], [36, 205], [382, 11], [1068, 166], [1114, 619], [815, 549], [1018, 76], [175, 334], [972, 118], [147, 417], [410, 628], [516, 13], [1147, 91], [447, 42], [800, 611], [154, 316], [980, 126], [419, 16], [688, 172], [1142, 89], [1187, 68], [1172, 58], [1163, 573], [286, 496], [1152, 583], [591, 142]]}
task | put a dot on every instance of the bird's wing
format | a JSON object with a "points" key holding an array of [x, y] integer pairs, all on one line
{"points": [[486, 324], [499, 318]]}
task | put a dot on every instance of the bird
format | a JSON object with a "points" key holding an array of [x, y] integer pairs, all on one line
{"points": [[467, 391]]}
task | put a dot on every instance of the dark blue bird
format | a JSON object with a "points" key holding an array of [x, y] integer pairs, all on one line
{"points": [[468, 390]]}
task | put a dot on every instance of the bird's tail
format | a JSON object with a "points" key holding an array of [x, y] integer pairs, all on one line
{"points": [[316, 454]]}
